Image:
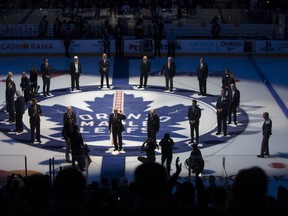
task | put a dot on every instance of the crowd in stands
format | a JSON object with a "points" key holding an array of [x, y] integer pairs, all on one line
{"points": [[151, 192], [73, 20]]}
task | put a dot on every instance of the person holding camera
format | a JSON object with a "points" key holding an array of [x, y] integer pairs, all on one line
{"points": [[149, 146], [195, 162]]}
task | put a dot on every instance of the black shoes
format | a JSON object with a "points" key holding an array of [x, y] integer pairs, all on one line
{"points": [[263, 155], [39, 141], [224, 134]]}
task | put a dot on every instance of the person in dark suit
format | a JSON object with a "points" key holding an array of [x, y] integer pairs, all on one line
{"points": [[145, 68], [169, 71], [225, 79], [75, 73], [266, 133], [234, 99], [9, 79], [33, 80], [19, 110], [77, 145], [116, 127], [222, 105], [69, 120], [167, 144], [35, 112], [10, 93], [153, 124], [104, 65], [194, 114], [202, 74], [25, 86], [231, 79], [46, 71]]}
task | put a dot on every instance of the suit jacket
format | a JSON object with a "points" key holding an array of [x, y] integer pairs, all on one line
{"points": [[77, 143], [24, 83], [170, 72], [115, 123], [73, 68], [19, 105], [8, 80], [10, 93], [234, 100], [103, 65], [34, 112], [67, 118], [194, 114], [225, 79], [153, 123], [46, 71], [202, 73], [145, 68], [267, 127], [33, 78], [222, 104]]}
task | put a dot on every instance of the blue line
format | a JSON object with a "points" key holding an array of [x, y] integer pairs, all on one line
{"points": [[269, 86], [113, 167]]}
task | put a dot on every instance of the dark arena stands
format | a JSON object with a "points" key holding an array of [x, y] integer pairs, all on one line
{"points": [[192, 18]]}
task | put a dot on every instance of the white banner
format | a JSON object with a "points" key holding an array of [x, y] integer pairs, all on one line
{"points": [[140, 46]]}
